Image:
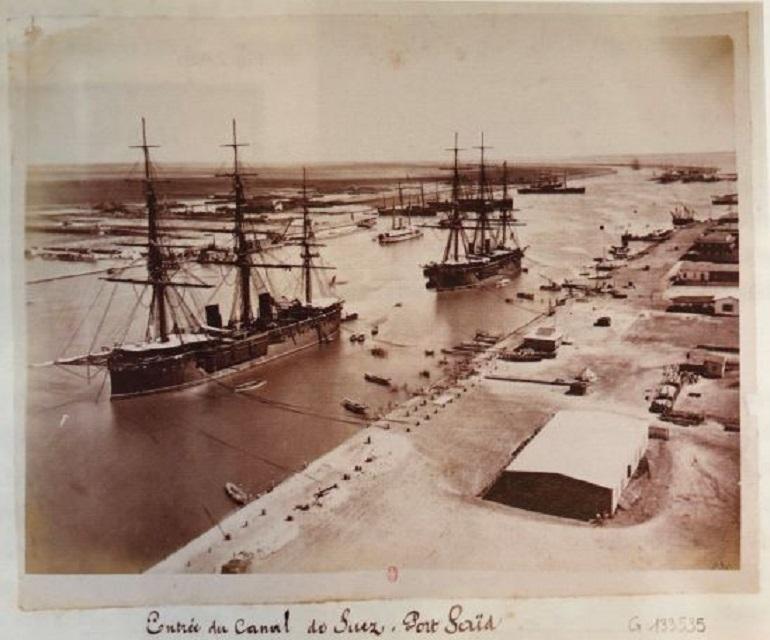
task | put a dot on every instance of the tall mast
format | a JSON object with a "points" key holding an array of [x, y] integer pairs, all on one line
{"points": [[241, 248], [456, 174], [155, 266], [479, 236], [482, 171], [307, 255], [456, 224], [505, 203]]}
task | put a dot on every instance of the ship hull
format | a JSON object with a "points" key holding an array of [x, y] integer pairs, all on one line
{"points": [[133, 375], [552, 191], [451, 276], [385, 238]]}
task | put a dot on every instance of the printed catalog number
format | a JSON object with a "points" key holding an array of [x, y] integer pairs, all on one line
{"points": [[682, 624]]}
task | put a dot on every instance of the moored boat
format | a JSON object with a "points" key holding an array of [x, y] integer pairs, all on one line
{"points": [[551, 185], [493, 248], [355, 407], [682, 216], [236, 493], [727, 198], [370, 377], [250, 386]]}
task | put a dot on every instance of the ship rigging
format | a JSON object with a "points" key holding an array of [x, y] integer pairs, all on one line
{"points": [[178, 349], [493, 248]]}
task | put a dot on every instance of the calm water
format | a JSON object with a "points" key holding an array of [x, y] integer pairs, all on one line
{"points": [[117, 486]]}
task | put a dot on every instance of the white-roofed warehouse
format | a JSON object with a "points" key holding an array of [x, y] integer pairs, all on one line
{"points": [[576, 466]]}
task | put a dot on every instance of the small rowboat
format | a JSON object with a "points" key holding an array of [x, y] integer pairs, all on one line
{"points": [[355, 407], [370, 377], [249, 386], [236, 493]]}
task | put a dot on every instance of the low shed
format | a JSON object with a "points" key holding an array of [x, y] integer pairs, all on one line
{"points": [[576, 466], [545, 339]]}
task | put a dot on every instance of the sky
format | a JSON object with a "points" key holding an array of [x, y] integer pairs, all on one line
{"points": [[339, 88]]}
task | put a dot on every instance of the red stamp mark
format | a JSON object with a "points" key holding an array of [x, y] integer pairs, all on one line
{"points": [[392, 574]]}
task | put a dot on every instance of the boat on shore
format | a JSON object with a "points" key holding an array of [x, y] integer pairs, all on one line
{"points": [[180, 349], [491, 250], [355, 407], [520, 355], [250, 386], [236, 493], [370, 377]]}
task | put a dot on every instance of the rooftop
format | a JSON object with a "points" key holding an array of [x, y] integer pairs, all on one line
{"points": [[714, 292], [544, 333], [593, 446], [690, 265]]}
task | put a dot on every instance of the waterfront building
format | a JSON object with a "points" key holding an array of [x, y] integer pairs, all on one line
{"points": [[576, 466]]}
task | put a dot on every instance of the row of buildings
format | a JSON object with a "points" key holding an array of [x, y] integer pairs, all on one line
{"points": [[707, 278]]}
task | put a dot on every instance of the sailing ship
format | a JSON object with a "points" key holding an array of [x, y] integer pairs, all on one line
{"points": [[179, 349], [550, 184], [491, 250], [682, 216]]}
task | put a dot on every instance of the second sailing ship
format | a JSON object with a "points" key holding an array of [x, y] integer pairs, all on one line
{"points": [[491, 249]]}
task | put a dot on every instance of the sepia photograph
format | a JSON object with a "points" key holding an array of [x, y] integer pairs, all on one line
{"points": [[397, 289]]}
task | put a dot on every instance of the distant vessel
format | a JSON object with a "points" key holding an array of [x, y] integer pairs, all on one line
{"points": [[550, 184], [370, 377], [682, 216], [410, 209], [468, 261], [236, 493], [399, 232], [355, 407], [705, 174], [180, 350], [250, 386], [727, 198], [669, 175]]}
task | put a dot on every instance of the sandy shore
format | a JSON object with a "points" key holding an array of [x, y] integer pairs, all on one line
{"points": [[406, 490]]}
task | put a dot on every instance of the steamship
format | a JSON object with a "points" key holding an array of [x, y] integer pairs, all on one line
{"points": [[180, 349]]}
